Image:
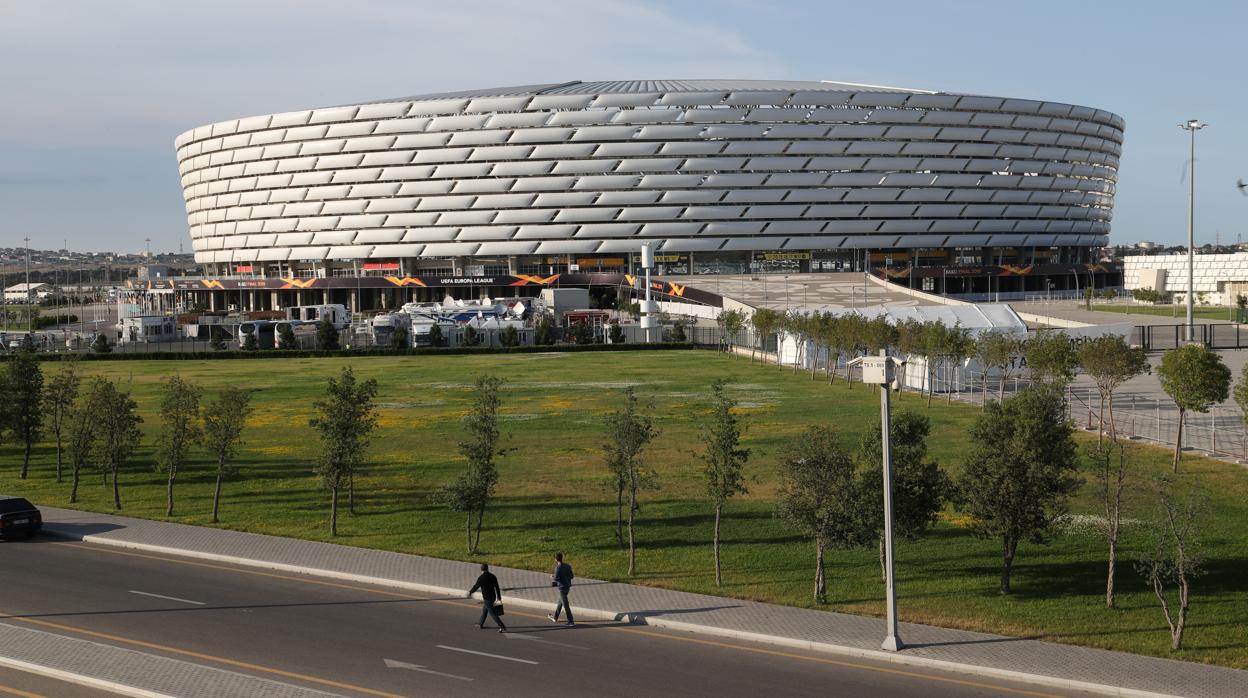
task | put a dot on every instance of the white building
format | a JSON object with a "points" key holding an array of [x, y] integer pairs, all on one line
{"points": [[1219, 277], [22, 292]]}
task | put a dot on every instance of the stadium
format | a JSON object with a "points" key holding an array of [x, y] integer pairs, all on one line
{"points": [[501, 189]]}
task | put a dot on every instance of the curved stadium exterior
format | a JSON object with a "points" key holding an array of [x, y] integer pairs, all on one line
{"points": [[719, 175]]}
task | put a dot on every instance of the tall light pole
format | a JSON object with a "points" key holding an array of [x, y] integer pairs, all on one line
{"points": [[29, 321], [1191, 126]]}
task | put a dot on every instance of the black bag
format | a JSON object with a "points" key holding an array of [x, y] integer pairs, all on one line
{"points": [[498, 607]]}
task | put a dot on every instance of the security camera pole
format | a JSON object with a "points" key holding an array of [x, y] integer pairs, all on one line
{"points": [[649, 318], [880, 371], [1192, 126]]}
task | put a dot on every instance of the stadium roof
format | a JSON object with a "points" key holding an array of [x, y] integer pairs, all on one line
{"points": [[577, 87]]}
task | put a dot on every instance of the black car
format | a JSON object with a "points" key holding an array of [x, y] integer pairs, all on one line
{"points": [[18, 518]]}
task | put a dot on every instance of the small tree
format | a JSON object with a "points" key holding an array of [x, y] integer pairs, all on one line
{"points": [[217, 338], [765, 321], [58, 400], [581, 333], [1111, 294], [327, 335], [82, 430], [510, 336], [471, 491], [249, 342], [436, 338], [100, 344], [23, 398], [817, 498], [723, 458], [920, 487], [471, 337], [730, 322], [544, 331], [286, 336], [1000, 351], [1174, 556], [615, 333], [629, 430], [1196, 379], [1088, 295], [678, 332], [1110, 362], [1020, 473], [180, 430], [224, 419], [1110, 462], [345, 418], [1051, 359], [117, 431]]}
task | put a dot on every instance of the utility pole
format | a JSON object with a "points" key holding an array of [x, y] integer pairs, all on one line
{"points": [[29, 319], [1191, 126]]}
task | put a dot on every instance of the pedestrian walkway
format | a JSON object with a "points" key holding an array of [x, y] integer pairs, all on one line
{"points": [[1040, 662]]}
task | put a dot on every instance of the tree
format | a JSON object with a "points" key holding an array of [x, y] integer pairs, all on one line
{"points": [[544, 331], [81, 429], [1174, 555], [471, 491], [628, 432], [116, 429], [217, 338], [58, 400], [730, 322], [998, 350], [327, 335], [249, 342], [23, 402], [816, 496], [286, 336], [100, 344], [1020, 472], [180, 429], [510, 336], [1111, 294], [1240, 394], [1110, 362], [615, 333], [1051, 359], [224, 419], [764, 322], [471, 337], [920, 487], [678, 332], [1110, 461], [1196, 379], [723, 458], [436, 338], [345, 418], [1088, 295]]}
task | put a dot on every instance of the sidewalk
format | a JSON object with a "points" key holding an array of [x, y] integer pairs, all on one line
{"points": [[1019, 659]]}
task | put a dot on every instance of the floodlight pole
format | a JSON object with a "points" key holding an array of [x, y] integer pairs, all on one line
{"points": [[1191, 126], [648, 319], [892, 641]]}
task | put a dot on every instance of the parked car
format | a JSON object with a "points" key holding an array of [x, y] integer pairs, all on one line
{"points": [[18, 518]]}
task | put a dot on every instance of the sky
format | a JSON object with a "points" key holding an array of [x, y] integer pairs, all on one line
{"points": [[92, 94]]}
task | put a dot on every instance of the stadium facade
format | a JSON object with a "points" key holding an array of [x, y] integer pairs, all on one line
{"points": [[944, 192]]}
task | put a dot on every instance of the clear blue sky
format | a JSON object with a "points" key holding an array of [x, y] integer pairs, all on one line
{"points": [[95, 92]]}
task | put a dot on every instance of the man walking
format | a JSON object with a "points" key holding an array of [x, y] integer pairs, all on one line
{"points": [[487, 583], [562, 578]]}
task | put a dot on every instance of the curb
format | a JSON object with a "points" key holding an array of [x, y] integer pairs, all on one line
{"points": [[80, 679], [641, 619]]}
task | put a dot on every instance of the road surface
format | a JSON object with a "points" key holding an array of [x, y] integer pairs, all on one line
{"points": [[358, 640]]}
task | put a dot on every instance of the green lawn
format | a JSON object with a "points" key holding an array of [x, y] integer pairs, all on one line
{"points": [[553, 495], [1207, 312]]}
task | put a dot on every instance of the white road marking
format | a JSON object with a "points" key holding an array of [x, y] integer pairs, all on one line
{"points": [[487, 654], [530, 638], [395, 664], [167, 598]]}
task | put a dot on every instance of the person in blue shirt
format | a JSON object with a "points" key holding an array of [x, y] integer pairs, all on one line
{"points": [[562, 578]]}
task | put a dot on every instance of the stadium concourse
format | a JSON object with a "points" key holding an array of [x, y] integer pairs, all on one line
{"points": [[781, 291]]}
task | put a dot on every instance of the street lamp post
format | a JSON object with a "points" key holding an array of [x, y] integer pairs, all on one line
{"points": [[1191, 126], [880, 370], [29, 320]]}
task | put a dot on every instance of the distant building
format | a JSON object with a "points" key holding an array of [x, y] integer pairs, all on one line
{"points": [[1220, 277], [22, 292]]}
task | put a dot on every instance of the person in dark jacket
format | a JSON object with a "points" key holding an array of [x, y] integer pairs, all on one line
{"points": [[487, 584], [562, 578]]}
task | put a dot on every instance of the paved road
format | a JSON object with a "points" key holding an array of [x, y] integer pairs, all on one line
{"points": [[336, 636]]}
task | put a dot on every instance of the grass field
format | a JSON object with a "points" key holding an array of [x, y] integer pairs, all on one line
{"points": [[553, 492], [1206, 312]]}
